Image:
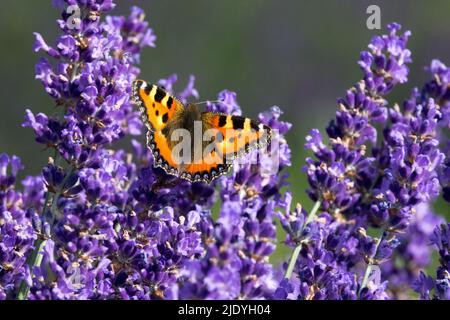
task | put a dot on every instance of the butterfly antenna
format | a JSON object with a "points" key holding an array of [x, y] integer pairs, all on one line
{"points": [[206, 101]]}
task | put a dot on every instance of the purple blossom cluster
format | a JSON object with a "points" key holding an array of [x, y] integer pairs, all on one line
{"points": [[18, 210], [425, 285], [100, 222], [379, 167], [110, 225], [413, 253]]}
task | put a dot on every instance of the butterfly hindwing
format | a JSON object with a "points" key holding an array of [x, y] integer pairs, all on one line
{"points": [[156, 105], [204, 172], [162, 152], [212, 166]]}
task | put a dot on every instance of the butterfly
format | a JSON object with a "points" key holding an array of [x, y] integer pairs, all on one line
{"points": [[217, 140]]}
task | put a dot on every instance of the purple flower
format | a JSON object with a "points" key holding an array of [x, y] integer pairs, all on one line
{"points": [[227, 103], [441, 239], [384, 64], [358, 190], [132, 32], [412, 254], [441, 285], [438, 89], [16, 230]]}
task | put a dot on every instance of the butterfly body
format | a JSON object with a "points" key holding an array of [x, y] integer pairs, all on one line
{"points": [[212, 140]]}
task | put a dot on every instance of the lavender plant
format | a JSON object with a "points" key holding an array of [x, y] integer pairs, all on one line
{"points": [[356, 192], [425, 284], [99, 222]]}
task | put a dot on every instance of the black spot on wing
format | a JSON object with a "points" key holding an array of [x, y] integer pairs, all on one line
{"points": [[238, 123], [169, 102], [254, 125], [159, 95], [166, 132], [165, 117], [147, 89], [222, 120]]}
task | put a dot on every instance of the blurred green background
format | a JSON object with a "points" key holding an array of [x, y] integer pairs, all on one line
{"points": [[299, 55]]}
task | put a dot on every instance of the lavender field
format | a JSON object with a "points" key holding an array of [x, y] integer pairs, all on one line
{"points": [[355, 209]]}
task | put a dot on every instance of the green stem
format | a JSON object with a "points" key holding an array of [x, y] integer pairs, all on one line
{"points": [[296, 252], [371, 264], [35, 258]]}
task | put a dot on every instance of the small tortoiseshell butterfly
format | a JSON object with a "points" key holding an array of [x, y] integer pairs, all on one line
{"points": [[223, 137]]}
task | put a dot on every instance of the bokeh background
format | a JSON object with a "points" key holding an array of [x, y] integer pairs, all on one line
{"points": [[299, 55]]}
